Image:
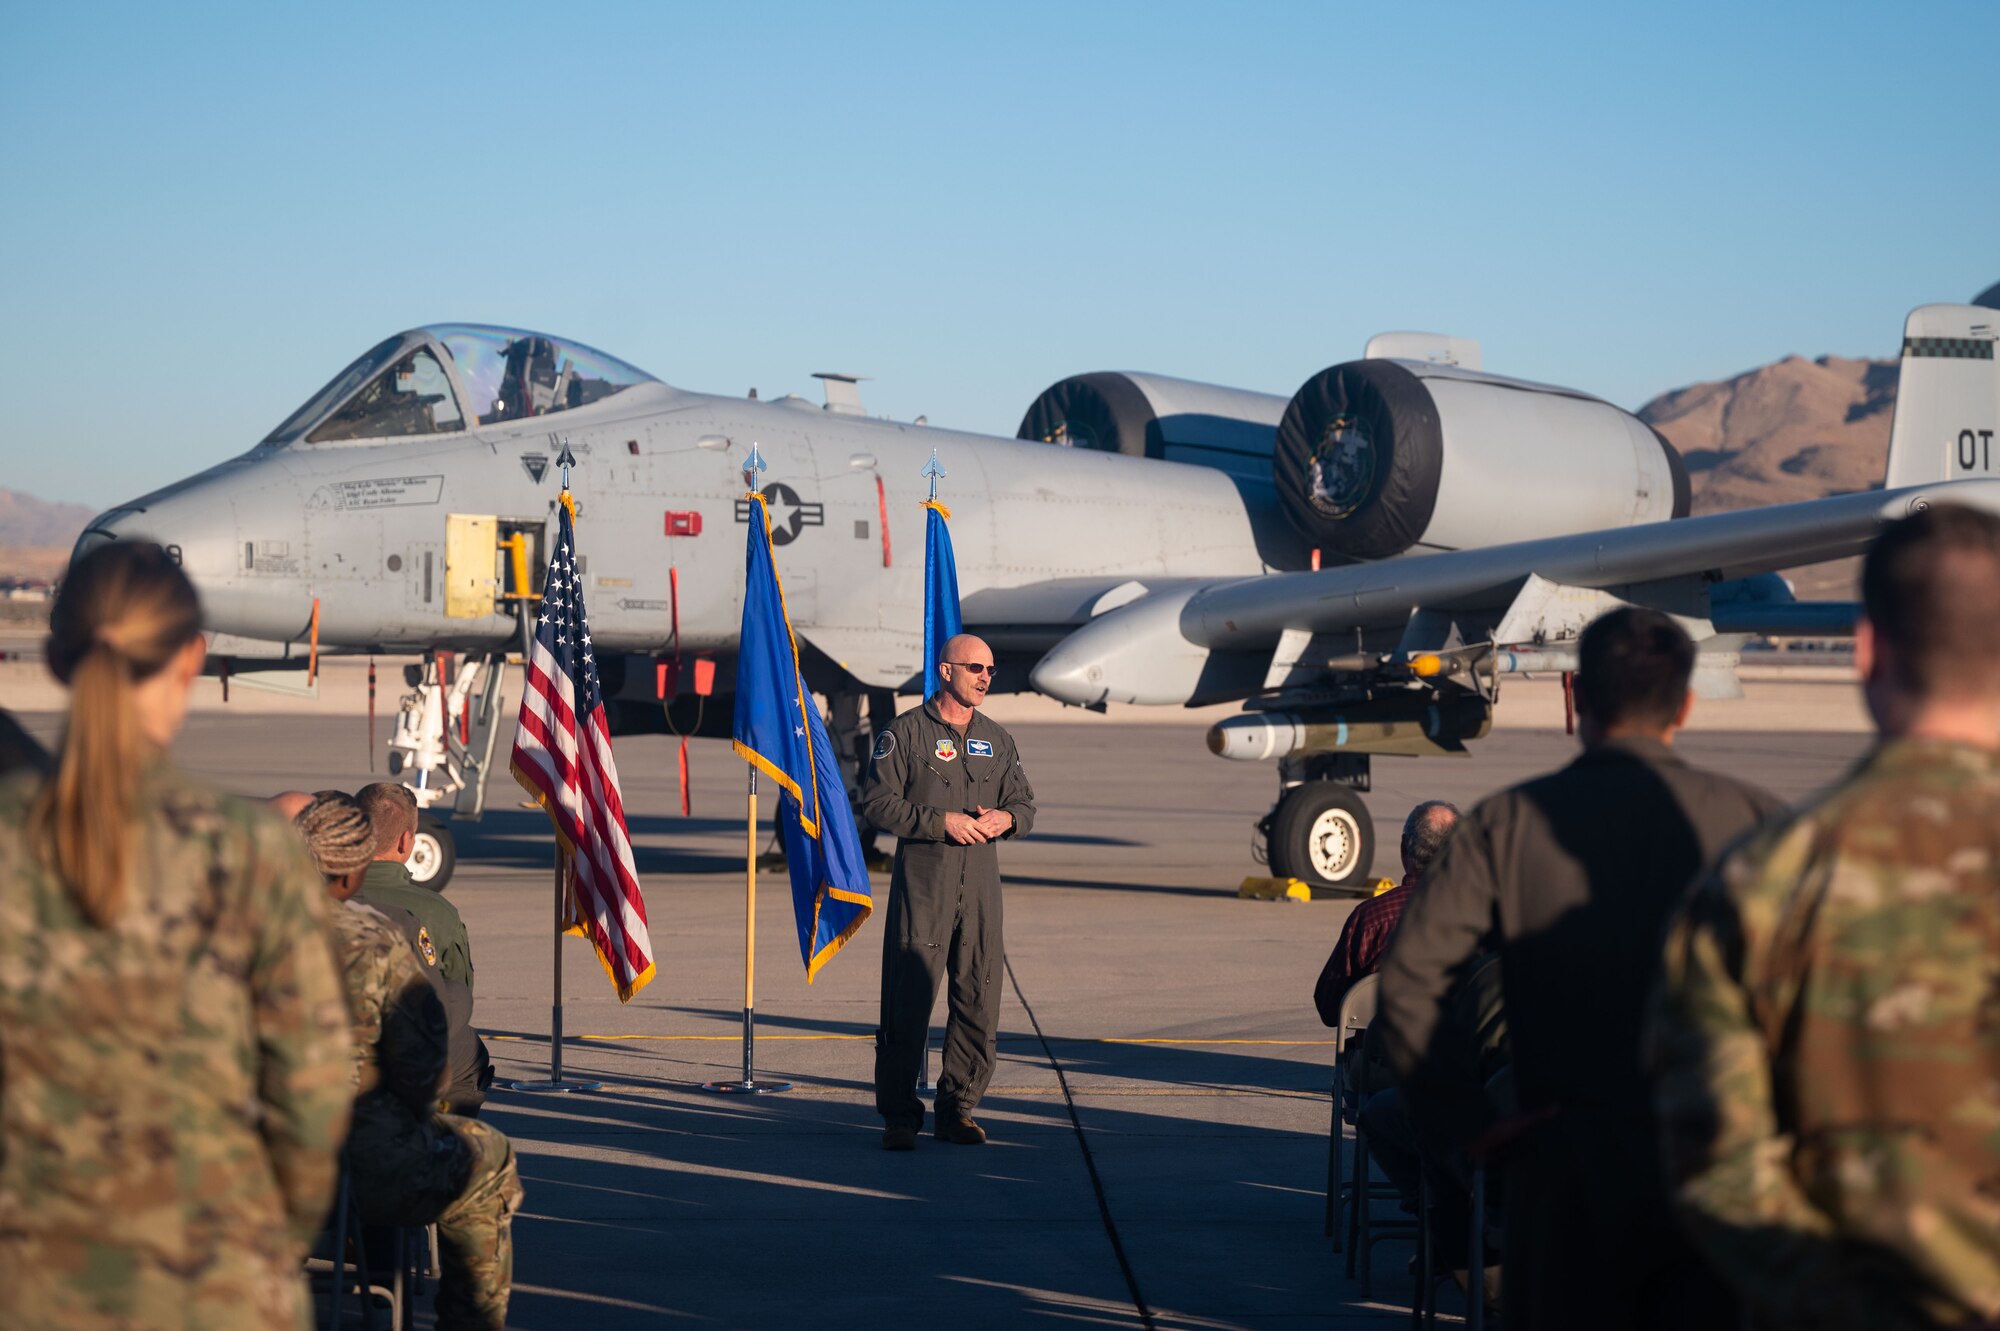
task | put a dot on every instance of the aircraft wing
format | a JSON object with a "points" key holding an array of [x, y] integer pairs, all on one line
{"points": [[1217, 639], [1026, 620]]}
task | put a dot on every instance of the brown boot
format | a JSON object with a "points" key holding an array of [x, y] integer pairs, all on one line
{"points": [[960, 1131], [901, 1137]]}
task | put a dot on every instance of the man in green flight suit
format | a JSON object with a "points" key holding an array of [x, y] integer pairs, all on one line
{"points": [[948, 784], [392, 811], [1827, 1049], [436, 933]]}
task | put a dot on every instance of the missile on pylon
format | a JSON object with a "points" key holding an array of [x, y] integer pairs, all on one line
{"points": [[1435, 726]]}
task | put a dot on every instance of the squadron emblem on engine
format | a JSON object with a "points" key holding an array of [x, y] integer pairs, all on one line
{"points": [[1343, 468]]}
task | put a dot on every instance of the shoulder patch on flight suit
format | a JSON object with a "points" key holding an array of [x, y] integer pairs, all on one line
{"points": [[885, 744], [946, 750], [979, 748], [425, 946]]}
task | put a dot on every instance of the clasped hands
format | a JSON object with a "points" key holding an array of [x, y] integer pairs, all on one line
{"points": [[970, 830]]}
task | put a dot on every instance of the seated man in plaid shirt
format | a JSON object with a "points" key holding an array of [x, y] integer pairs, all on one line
{"points": [[1365, 936]]}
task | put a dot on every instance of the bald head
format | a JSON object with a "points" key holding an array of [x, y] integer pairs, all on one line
{"points": [[966, 647], [965, 670], [289, 804]]}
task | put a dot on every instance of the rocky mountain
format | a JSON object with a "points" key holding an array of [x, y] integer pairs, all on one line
{"points": [[1799, 429], [26, 520], [36, 534]]}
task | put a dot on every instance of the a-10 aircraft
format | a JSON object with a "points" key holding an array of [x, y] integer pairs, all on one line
{"points": [[1361, 566]]}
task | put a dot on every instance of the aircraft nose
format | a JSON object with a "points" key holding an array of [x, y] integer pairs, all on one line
{"points": [[196, 527], [102, 530], [196, 522]]}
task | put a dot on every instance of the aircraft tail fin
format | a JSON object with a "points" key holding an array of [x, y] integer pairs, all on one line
{"points": [[1947, 424]]}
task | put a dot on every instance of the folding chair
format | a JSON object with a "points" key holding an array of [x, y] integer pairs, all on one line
{"points": [[383, 1266], [1363, 1230], [1511, 1124], [1357, 1009]]}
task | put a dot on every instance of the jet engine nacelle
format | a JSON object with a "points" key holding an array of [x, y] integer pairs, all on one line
{"points": [[1155, 416], [1378, 457]]}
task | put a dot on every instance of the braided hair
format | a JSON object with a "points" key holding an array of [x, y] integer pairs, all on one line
{"points": [[337, 832]]}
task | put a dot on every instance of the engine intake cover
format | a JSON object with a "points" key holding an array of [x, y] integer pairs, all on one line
{"points": [[1156, 416], [1378, 457]]}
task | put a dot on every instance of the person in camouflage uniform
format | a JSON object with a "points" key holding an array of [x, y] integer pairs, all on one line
{"points": [[436, 935], [175, 1058], [411, 1164], [1827, 1045]]}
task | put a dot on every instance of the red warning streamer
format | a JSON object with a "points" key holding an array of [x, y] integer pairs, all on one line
{"points": [[882, 509], [674, 609]]}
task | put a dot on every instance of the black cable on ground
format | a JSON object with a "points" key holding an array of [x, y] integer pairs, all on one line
{"points": [[1089, 1162]]}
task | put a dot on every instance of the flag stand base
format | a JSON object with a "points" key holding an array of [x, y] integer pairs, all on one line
{"points": [[566, 1084], [746, 1087]]}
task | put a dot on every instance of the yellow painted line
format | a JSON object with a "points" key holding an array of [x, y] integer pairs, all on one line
{"points": [[732, 1039], [1086, 1093], [1113, 1039], [1064, 1039]]}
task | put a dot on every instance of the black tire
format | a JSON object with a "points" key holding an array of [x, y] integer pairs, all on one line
{"points": [[1322, 835], [436, 855], [1106, 412], [1394, 445]]}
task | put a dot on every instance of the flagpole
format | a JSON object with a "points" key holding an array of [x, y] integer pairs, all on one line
{"points": [[555, 1082], [556, 1001], [749, 1085]]}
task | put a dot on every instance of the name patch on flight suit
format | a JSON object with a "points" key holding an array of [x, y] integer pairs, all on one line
{"points": [[979, 748], [946, 751]]}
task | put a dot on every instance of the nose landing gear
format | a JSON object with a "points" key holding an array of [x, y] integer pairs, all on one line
{"points": [[1320, 832], [442, 747]]}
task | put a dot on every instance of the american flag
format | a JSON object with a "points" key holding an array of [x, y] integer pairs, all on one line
{"points": [[562, 754]]}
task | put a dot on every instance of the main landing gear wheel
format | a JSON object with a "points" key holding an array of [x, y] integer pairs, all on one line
{"points": [[435, 855], [1321, 834]]}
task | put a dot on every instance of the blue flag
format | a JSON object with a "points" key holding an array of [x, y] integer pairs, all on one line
{"points": [[941, 621], [779, 731]]}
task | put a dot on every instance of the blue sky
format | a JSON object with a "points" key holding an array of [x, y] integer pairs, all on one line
{"points": [[208, 209]]}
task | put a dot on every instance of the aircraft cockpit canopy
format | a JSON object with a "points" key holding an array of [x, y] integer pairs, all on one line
{"points": [[448, 377]]}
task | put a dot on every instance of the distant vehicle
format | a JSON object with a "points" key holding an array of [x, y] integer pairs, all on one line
{"points": [[1361, 565]]}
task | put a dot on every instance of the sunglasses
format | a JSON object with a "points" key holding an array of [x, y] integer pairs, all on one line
{"points": [[976, 667]]}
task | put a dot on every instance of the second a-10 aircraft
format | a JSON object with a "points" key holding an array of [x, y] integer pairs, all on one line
{"points": [[1361, 566]]}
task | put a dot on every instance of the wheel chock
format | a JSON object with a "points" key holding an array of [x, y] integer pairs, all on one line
{"points": [[1274, 889], [1296, 889]]}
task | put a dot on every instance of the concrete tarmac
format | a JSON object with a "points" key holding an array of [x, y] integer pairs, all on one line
{"points": [[1159, 1115]]}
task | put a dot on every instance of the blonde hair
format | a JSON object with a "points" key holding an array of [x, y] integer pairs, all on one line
{"points": [[124, 613], [337, 832]]}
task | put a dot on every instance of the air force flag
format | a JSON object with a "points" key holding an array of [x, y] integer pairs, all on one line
{"points": [[778, 730], [941, 620]]}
